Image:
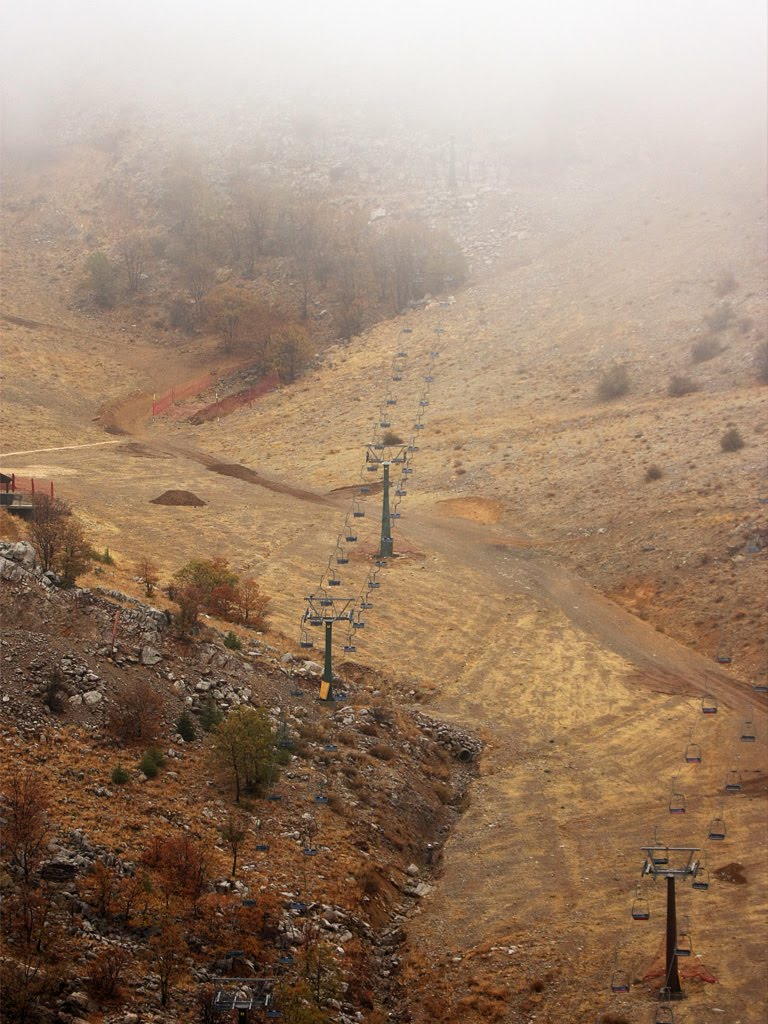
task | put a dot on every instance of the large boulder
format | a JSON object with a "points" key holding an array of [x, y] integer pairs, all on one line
{"points": [[10, 571]]}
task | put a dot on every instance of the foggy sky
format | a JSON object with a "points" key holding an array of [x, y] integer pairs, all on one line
{"points": [[676, 58]]}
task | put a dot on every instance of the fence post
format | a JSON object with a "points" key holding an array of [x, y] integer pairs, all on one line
{"points": [[13, 481], [51, 490], [32, 481]]}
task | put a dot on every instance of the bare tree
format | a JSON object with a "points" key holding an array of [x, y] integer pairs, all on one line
{"points": [[150, 577], [47, 528], [135, 713], [75, 553], [233, 833], [167, 954], [199, 279], [25, 832], [133, 253]]}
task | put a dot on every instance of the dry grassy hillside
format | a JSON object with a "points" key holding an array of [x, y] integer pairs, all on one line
{"points": [[552, 593]]}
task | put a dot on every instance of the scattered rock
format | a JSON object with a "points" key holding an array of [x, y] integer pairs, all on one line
{"points": [[150, 656]]}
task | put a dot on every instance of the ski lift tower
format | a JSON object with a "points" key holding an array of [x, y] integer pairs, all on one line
{"points": [[323, 609], [385, 456], [671, 862]]}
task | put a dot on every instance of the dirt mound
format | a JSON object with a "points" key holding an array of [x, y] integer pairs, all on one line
{"points": [[186, 498], [733, 872]]}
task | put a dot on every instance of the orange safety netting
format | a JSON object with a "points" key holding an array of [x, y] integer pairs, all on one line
{"points": [[29, 485], [186, 390], [232, 402]]}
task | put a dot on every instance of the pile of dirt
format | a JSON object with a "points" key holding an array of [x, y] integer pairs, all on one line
{"points": [[186, 498]]}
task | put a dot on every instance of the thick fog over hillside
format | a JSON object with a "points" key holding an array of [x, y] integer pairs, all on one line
{"points": [[655, 68]]}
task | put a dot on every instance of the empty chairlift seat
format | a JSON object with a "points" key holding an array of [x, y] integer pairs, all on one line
{"points": [[641, 910], [717, 831], [693, 753], [701, 880], [620, 981], [748, 734], [677, 803], [709, 704], [684, 946]]}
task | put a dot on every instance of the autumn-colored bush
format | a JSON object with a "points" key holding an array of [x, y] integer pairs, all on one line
{"points": [[25, 831], [210, 585], [179, 866], [106, 973], [136, 712]]}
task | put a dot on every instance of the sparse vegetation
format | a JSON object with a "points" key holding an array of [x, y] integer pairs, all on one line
{"points": [[732, 441], [653, 472], [705, 348], [210, 714], [148, 574], [233, 641], [101, 279], [185, 727], [103, 557], [679, 386], [151, 762], [25, 832], [135, 712], [383, 751], [761, 361], [725, 283], [614, 383], [720, 318], [120, 775]]}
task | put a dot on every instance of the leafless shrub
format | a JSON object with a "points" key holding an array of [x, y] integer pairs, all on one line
{"points": [[731, 441], [136, 712], [383, 751], [614, 383], [679, 386], [25, 809], [719, 318], [107, 972], [761, 361], [705, 348], [725, 283]]}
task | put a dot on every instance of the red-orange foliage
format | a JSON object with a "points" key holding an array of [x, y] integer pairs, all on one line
{"points": [[180, 866]]}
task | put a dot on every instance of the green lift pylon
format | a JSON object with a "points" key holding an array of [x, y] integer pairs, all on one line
{"points": [[387, 544], [386, 456], [322, 609]]}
